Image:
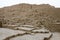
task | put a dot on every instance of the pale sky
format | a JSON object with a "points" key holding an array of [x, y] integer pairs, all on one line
{"points": [[4, 3]]}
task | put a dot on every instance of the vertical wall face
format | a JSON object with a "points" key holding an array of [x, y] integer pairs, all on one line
{"points": [[57, 13], [1, 16], [0, 23], [54, 27]]}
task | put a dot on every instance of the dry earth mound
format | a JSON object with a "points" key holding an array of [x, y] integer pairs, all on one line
{"points": [[28, 14]]}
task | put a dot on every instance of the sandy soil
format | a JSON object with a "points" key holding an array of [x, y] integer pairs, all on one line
{"points": [[4, 33]]}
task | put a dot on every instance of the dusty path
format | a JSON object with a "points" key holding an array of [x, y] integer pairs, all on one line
{"points": [[10, 37]]}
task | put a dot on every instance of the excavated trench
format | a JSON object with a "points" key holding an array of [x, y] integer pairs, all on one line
{"points": [[28, 31]]}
